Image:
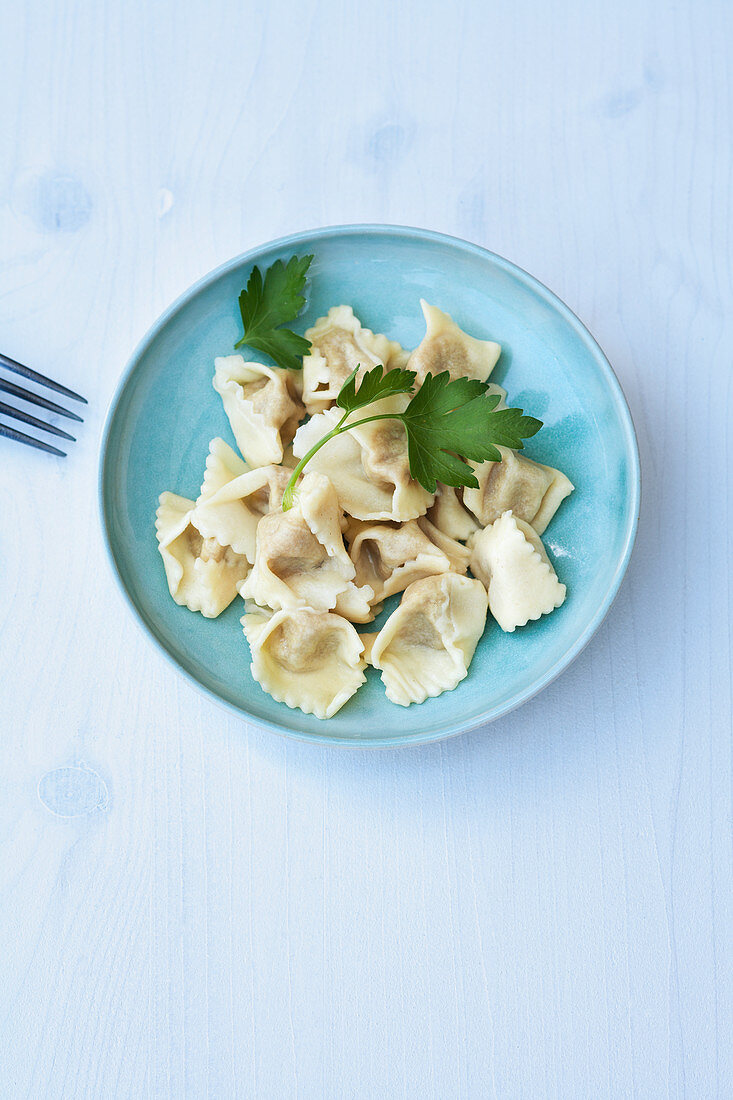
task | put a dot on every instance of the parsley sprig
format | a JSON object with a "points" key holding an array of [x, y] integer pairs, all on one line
{"points": [[446, 423], [266, 305]]}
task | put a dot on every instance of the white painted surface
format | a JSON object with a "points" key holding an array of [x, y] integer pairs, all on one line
{"points": [[542, 908]]}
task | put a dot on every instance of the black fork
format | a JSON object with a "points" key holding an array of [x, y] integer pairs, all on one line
{"points": [[32, 398]]}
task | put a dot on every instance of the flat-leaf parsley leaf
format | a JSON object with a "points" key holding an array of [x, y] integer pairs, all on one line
{"points": [[373, 387], [267, 304], [446, 423]]}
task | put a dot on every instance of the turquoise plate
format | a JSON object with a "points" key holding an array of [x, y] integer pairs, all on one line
{"points": [[165, 412]]}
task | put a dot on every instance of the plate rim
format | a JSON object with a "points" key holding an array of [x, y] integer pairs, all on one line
{"points": [[415, 233]]}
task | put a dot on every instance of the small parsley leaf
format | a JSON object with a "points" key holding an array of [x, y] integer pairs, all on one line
{"points": [[374, 386], [268, 304]]}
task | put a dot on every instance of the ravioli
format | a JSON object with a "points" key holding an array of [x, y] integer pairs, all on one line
{"points": [[223, 464], [390, 556], [339, 345], [309, 660], [232, 513], [300, 557], [202, 574], [427, 644], [511, 561], [531, 491], [262, 406], [449, 515], [445, 346]]}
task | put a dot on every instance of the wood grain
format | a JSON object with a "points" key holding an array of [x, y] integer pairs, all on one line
{"points": [[192, 907]]}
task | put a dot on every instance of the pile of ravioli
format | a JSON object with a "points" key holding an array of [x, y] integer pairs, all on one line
{"points": [[361, 528]]}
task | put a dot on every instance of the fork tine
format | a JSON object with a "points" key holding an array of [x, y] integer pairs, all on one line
{"points": [[34, 422], [19, 437], [36, 399], [34, 376]]}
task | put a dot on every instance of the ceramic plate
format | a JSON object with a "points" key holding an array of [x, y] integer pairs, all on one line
{"points": [[165, 412]]}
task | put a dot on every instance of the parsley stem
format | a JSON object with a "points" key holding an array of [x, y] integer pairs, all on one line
{"points": [[290, 487], [368, 420], [339, 429]]}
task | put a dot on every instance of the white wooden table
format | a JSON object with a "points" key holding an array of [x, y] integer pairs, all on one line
{"points": [[538, 909]]}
